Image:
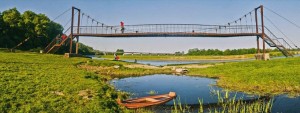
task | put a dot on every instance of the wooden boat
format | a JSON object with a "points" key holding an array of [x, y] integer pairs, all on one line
{"points": [[147, 101]]}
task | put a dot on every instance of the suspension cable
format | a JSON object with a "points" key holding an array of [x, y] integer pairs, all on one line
{"points": [[283, 17], [69, 21], [251, 22], [240, 17], [280, 31], [61, 14]]}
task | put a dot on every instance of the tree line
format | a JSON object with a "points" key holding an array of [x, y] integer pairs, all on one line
{"points": [[16, 27], [197, 51]]}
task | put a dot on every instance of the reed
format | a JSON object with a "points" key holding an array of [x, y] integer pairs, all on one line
{"points": [[152, 92], [228, 104]]}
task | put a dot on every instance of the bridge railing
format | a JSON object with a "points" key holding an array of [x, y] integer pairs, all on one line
{"points": [[166, 28], [278, 41]]}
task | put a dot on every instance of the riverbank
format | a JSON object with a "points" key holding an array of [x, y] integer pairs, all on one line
{"points": [[50, 83], [31, 82], [276, 76], [184, 57]]}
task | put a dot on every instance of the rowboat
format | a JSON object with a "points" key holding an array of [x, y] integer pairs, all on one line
{"points": [[147, 101]]}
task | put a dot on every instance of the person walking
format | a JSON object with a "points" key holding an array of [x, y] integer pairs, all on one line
{"points": [[122, 26]]}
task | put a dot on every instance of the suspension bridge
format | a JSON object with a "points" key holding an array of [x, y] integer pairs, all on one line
{"points": [[250, 24]]}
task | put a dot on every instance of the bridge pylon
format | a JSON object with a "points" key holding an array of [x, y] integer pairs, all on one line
{"points": [[72, 27]]}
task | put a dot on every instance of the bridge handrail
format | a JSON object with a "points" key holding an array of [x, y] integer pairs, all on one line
{"points": [[169, 28], [51, 44], [54, 41], [283, 43]]}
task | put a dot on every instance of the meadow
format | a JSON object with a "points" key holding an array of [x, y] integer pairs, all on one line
{"points": [[276, 76], [31, 82], [35, 83]]}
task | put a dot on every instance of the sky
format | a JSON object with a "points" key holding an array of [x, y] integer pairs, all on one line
{"points": [[208, 12]]}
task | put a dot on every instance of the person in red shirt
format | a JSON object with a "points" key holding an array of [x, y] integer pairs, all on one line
{"points": [[117, 57], [63, 37], [122, 26]]}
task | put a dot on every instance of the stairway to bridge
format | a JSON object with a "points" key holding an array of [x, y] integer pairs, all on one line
{"points": [[56, 43]]}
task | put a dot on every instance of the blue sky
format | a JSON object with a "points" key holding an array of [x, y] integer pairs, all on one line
{"points": [[111, 12]]}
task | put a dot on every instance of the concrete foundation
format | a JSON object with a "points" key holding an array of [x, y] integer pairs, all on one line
{"points": [[261, 56], [68, 55]]}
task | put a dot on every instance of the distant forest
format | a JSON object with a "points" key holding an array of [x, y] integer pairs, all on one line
{"points": [[197, 51], [16, 27]]}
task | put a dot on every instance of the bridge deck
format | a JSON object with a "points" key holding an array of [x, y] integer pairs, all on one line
{"points": [[170, 34]]}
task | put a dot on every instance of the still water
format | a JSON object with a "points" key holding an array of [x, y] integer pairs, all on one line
{"points": [[168, 62], [190, 89]]}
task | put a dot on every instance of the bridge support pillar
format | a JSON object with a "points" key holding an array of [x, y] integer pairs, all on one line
{"points": [[263, 29], [257, 37], [72, 24], [72, 27], [262, 36], [77, 44]]}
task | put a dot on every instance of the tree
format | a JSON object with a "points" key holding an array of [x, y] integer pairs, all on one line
{"points": [[16, 27], [196, 51], [120, 52], [12, 17], [1, 30], [12, 25]]}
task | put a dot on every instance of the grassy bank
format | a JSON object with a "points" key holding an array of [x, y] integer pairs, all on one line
{"points": [[185, 57], [265, 77], [121, 69], [50, 83]]}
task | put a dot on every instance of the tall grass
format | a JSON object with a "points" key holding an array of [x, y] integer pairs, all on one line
{"points": [[226, 104]]}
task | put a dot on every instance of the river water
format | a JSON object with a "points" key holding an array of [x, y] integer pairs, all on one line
{"points": [[170, 62], [189, 89]]}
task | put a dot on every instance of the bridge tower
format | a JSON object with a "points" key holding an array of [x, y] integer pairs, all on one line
{"points": [[262, 29], [72, 27]]}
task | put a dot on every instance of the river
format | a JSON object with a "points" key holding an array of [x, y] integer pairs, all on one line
{"points": [[189, 89]]}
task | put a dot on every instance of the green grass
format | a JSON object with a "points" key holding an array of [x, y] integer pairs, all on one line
{"points": [[50, 83], [31, 82], [107, 67], [264, 77]]}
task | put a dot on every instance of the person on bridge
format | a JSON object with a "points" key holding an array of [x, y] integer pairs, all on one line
{"points": [[63, 36], [117, 58], [122, 26]]}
